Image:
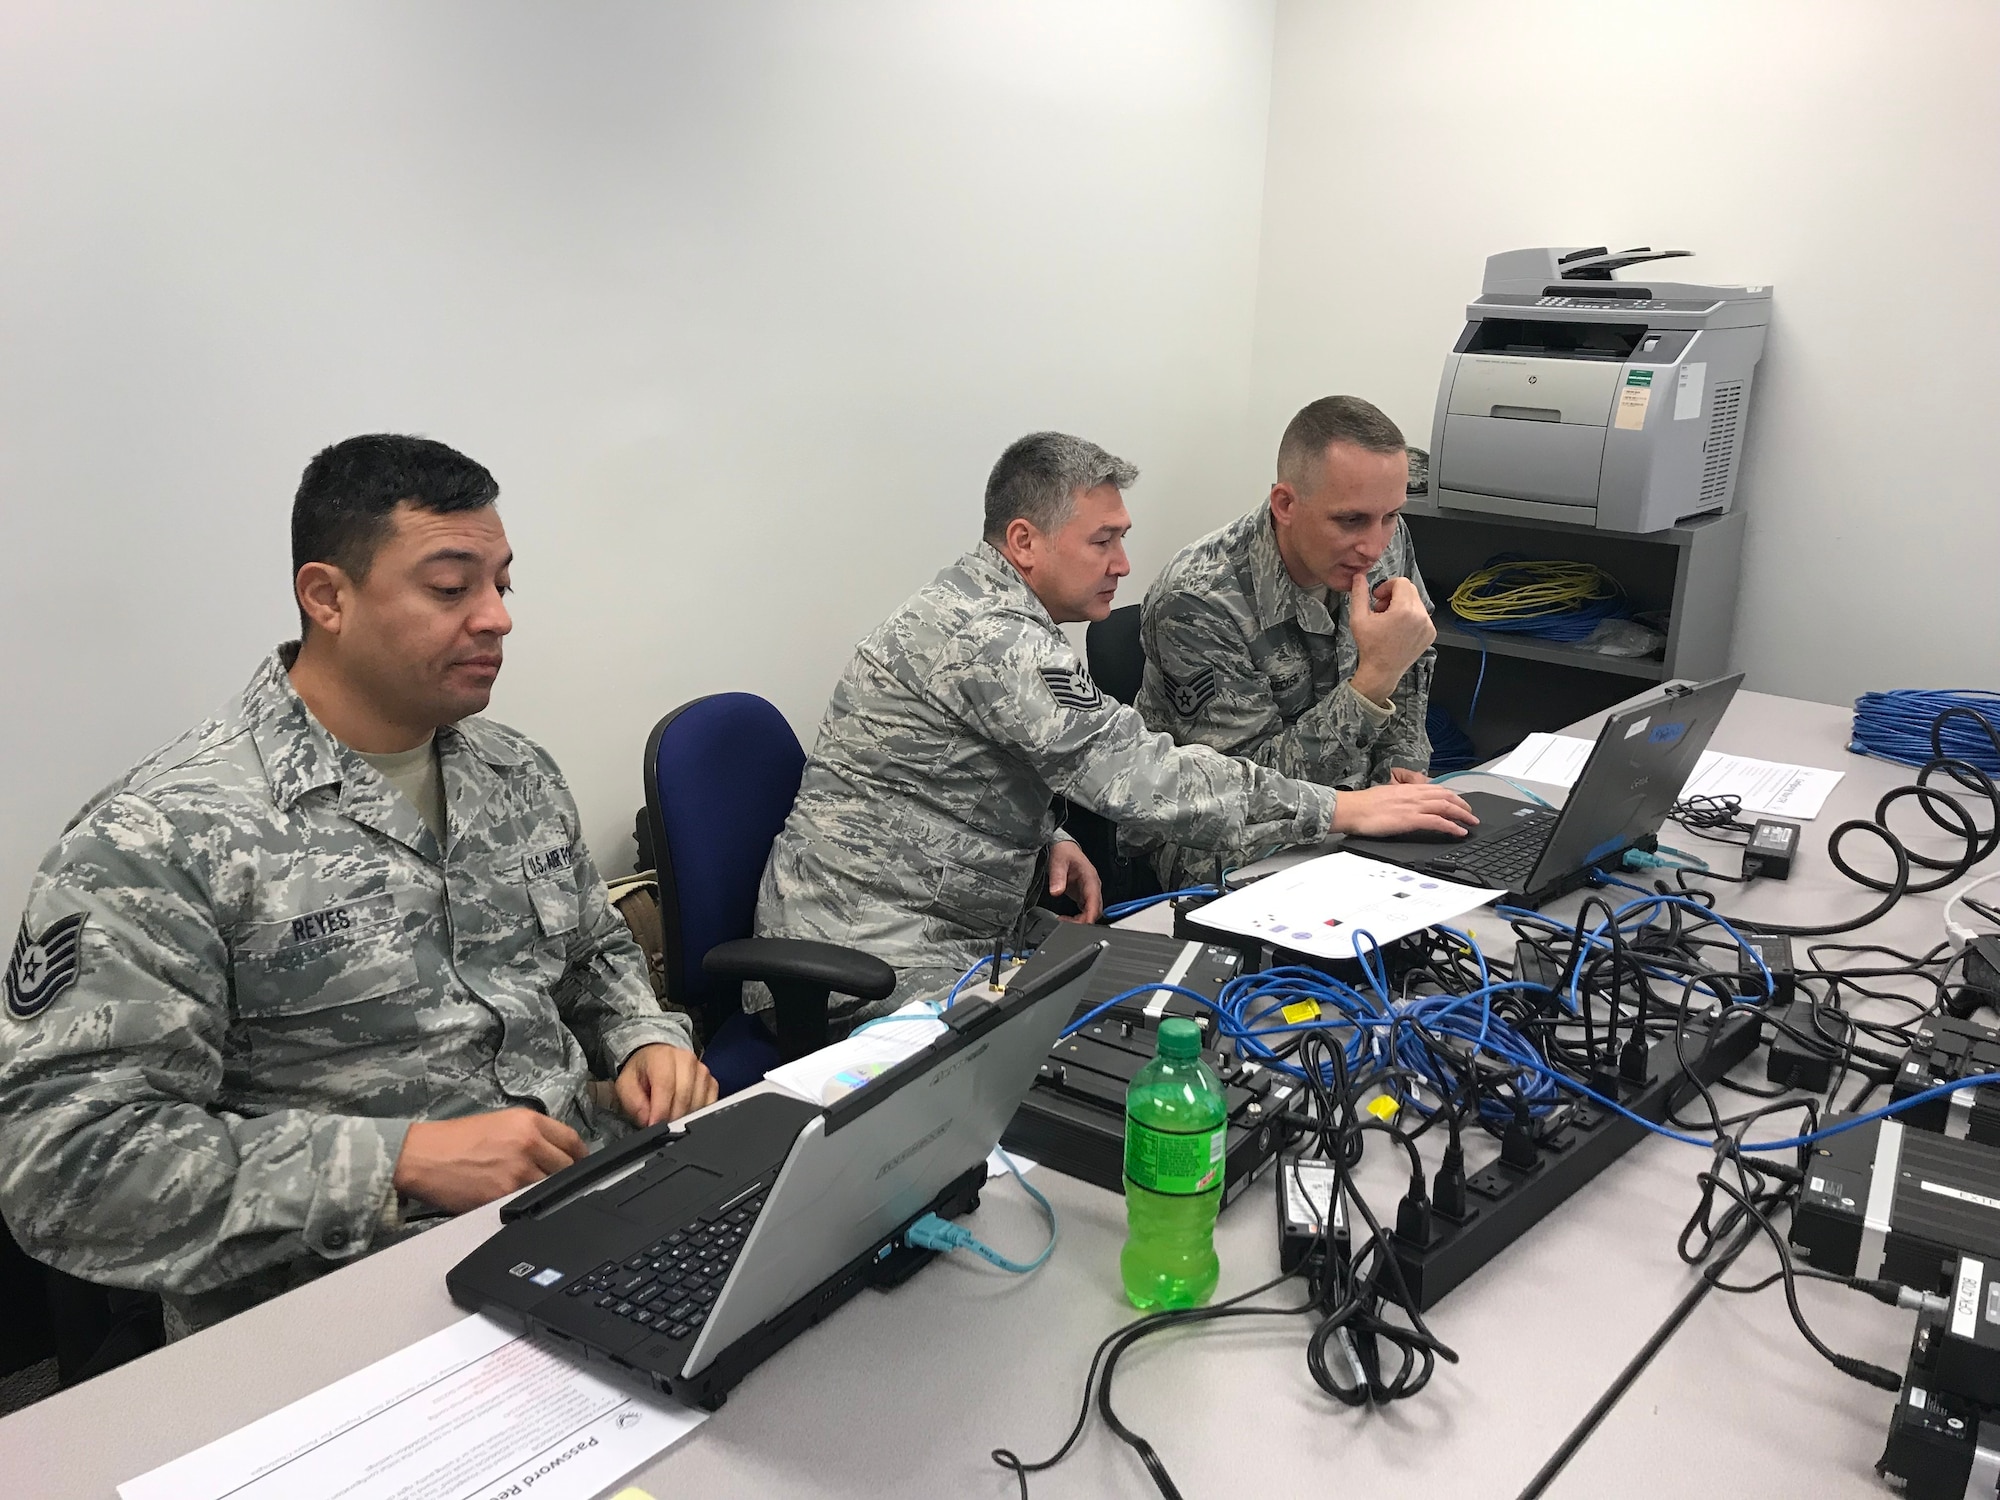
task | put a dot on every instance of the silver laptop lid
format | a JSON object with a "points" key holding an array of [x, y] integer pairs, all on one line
{"points": [[875, 1158]]}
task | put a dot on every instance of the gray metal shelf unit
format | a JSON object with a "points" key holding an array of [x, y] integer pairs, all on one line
{"points": [[1689, 572]]}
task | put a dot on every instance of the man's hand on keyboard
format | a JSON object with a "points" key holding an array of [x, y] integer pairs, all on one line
{"points": [[1399, 807]]}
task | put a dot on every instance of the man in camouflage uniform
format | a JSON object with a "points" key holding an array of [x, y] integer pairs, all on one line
{"points": [[924, 825], [338, 958], [1300, 636]]}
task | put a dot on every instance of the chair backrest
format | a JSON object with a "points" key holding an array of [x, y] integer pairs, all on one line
{"points": [[1111, 646], [1117, 663], [721, 775]]}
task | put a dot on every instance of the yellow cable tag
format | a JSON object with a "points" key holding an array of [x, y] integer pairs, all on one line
{"points": [[1301, 1010], [1382, 1107]]}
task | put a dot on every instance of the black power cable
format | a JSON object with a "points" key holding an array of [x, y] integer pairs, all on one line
{"points": [[1116, 1343], [1935, 802], [1634, 1368]]}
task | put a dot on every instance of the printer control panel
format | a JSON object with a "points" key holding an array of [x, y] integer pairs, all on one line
{"points": [[1639, 304]]}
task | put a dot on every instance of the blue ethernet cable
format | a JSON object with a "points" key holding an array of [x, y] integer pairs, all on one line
{"points": [[1639, 859], [971, 974], [1237, 1018], [936, 1008], [1465, 940], [931, 1232], [1454, 1016], [1565, 929], [1790, 1142], [1140, 903], [1132, 994], [1374, 967], [1898, 725], [1243, 992], [1652, 899]]}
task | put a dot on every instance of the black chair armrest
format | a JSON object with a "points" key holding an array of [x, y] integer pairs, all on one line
{"points": [[799, 973], [797, 961]]}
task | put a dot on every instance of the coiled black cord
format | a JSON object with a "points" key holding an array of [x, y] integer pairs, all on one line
{"points": [[1936, 802]]}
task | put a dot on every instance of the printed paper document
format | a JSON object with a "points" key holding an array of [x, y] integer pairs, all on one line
{"points": [[1769, 787], [476, 1412], [823, 1076], [1317, 907]]}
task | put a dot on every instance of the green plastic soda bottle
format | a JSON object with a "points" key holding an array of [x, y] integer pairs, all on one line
{"points": [[1175, 1126]]}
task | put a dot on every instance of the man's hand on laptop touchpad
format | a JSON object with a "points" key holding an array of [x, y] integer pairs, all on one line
{"points": [[1425, 812]]}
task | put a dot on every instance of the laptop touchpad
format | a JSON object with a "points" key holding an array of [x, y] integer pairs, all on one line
{"points": [[656, 1201]]}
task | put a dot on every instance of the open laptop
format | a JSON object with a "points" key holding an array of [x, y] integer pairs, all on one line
{"points": [[1644, 755], [687, 1256]]}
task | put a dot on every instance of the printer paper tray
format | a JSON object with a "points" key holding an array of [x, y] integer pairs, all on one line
{"points": [[1556, 463]]}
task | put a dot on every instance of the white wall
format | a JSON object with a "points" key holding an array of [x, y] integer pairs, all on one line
{"points": [[739, 303], [1848, 154]]}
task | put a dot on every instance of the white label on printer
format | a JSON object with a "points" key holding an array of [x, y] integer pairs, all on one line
{"points": [[1960, 1194], [1965, 1304], [1632, 403], [1687, 394]]}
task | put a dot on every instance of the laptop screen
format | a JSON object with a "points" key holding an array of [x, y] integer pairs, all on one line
{"points": [[1644, 755]]}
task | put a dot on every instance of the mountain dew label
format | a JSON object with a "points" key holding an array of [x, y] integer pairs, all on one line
{"points": [[1180, 1164]]}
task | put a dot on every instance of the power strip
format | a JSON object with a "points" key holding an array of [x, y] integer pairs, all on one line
{"points": [[1504, 1202]]}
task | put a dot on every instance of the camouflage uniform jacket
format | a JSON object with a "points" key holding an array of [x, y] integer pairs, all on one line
{"points": [[1239, 657], [247, 967], [926, 803]]}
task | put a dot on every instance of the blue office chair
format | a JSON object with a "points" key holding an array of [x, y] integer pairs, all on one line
{"points": [[721, 775]]}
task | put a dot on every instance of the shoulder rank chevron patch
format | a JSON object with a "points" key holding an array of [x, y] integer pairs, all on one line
{"points": [[1072, 688], [1189, 695], [43, 967]]}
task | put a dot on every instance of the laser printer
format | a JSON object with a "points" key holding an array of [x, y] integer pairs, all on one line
{"points": [[1574, 395]]}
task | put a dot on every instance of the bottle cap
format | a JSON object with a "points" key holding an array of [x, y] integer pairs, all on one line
{"points": [[1180, 1039]]}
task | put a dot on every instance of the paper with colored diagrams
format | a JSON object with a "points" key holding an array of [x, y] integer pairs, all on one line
{"points": [[1317, 907]]}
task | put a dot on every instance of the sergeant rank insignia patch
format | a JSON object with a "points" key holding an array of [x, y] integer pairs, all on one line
{"points": [[1072, 688], [43, 967], [1189, 695]]}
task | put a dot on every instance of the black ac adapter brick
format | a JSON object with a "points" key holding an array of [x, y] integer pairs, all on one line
{"points": [[1776, 952], [1803, 1054], [1773, 845]]}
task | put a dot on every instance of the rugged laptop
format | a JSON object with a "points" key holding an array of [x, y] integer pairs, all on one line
{"points": [[687, 1256], [1644, 755]]}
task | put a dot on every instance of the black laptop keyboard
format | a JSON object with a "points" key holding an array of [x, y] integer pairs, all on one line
{"points": [[1511, 860], [668, 1287]]}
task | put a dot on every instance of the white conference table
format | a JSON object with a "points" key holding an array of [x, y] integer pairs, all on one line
{"points": [[905, 1393]]}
